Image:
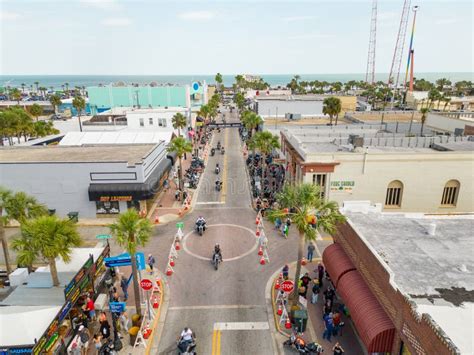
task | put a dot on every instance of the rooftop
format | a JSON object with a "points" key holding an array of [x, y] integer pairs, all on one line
{"points": [[125, 110], [117, 137], [132, 154]]}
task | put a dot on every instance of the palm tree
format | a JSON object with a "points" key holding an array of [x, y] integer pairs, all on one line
{"points": [[332, 107], [55, 101], [23, 87], [47, 237], [67, 88], [265, 142], [4, 196], [424, 113], [219, 81], [297, 202], [131, 231], [180, 146], [251, 121], [36, 111], [240, 101], [446, 100], [179, 121], [79, 104], [16, 95], [204, 112], [21, 207], [37, 86]]}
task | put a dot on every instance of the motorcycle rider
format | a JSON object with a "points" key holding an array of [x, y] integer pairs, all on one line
{"points": [[218, 184], [201, 221], [186, 339], [218, 169], [217, 252], [219, 145]]}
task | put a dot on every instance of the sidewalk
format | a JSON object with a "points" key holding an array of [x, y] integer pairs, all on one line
{"points": [[315, 328]]}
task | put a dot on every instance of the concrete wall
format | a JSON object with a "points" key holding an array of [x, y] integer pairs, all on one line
{"points": [[443, 123], [305, 108], [423, 175]]}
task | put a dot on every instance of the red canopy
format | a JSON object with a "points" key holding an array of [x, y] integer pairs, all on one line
{"points": [[337, 262]]}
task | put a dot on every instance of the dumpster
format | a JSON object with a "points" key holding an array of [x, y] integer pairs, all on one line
{"points": [[300, 320], [73, 216]]}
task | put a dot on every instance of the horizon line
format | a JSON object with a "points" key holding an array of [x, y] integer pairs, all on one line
{"points": [[213, 74]]}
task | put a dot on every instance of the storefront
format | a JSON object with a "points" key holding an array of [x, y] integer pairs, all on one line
{"points": [[88, 280]]}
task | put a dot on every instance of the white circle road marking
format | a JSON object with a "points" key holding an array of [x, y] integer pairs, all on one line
{"points": [[185, 248]]}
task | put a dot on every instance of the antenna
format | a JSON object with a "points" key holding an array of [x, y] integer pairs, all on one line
{"points": [[370, 73]]}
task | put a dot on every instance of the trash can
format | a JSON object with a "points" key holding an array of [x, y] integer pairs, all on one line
{"points": [[73, 216], [300, 319]]}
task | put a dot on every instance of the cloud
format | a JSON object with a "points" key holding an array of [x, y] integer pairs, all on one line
{"points": [[197, 15], [9, 16], [446, 21], [101, 4], [116, 21], [298, 18], [310, 36]]}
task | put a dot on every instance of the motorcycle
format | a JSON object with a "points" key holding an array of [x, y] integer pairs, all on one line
{"points": [[218, 186], [216, 260], [218, 145], [108, 348], [186, 347], [213, 151], [217, 170], [297, 343], [200, 228], [222, 151]]}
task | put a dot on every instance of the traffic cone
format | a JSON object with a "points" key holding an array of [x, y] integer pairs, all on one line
{"points": [[158, 282], [257, 221], [180, 213], [287, 323], [177, 246], [155, 302], [157, 220], [280, 277], [171, 261], [257, 233], [260, 251], [277, 284], [303, 261], [262, 260], [280, 311], [169, 272]]}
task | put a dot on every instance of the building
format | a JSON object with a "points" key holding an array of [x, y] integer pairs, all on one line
{"points": [[356, 162], [407, 281], [418, 99], [91, 180], [103, 98], [450, 123], [108, 138], [303, 105]]}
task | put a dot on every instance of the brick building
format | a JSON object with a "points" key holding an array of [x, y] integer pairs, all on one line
{"points": [[407, 281]]}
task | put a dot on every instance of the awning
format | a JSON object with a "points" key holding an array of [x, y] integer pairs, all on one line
{"points": [[172, 156], [374, 327], [337, 262], [132, 191]]}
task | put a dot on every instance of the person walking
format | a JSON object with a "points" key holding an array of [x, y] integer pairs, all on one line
{"points": [[336, 319], [320, 271], [315, 289], [328, 322], [151, 262], [311, 248], [337, 349], [285, 271], [123, 320], [90, 307], [97, 342], [105, 328], [84, 337], [124, 287]]}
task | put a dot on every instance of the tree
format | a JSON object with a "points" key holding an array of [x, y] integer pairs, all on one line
{"points": [[265, 142], [424, 113], [204, 111], [23, 85], [55, 101], [179, 121], [251, 121], [44, 128], [36, 110], [37, 86], [442, 83], [4, 196], [332, 107], [180, 146], [66, 85], [79, 104], [219, 80], [21, 207], [298, 202], [131, 231], [47, 237], [15, 94], [240, 101], [446, 100]]}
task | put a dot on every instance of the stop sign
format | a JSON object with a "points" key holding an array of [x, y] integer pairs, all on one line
{"points": [[146, 284], [287, 286]]}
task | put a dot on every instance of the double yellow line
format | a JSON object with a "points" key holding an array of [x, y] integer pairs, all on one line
{"points": [[216, 342], [224, 173]]}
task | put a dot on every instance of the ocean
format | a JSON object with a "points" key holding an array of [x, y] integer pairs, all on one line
{"points": [[56, 81]]}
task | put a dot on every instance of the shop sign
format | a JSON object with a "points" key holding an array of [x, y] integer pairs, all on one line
{"points": [[64, 311], [125, 260], [342, 186], [103, 236], [179, 225], [18, 350], [115, 198], [117, 307], [73, 289]]}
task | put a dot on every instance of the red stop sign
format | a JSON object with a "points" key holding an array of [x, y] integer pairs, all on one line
{"points": [[146, 284], [287, 286]]}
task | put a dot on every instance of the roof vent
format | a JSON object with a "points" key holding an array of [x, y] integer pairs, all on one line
{"points": [[432, 229], [463, 268]]}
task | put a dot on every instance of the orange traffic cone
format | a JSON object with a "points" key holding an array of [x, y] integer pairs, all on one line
{"points": [[280, 277], [155, 302], [280, 311], [257, 220], [180, 213], [303, 261], [257, 233], [171, 261], [260, 251], [169, 272], [277, 284], [177, 246], [157, 220], [262, 260], [287, 323]]}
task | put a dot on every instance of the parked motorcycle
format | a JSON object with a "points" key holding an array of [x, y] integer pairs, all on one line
{"points": [[297, 342], [108, 348]]}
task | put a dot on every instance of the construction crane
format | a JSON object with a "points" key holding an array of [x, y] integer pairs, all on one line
{"points": [[394, 76], [370, 72]]}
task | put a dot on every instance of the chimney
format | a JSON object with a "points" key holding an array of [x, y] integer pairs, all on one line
{"points": [[432, 229]]}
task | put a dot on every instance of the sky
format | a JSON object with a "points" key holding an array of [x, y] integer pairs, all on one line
{"points": [[143, 37]]}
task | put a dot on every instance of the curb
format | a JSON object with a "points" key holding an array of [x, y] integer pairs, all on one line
{"points": [[274, 326], [159, 321]]}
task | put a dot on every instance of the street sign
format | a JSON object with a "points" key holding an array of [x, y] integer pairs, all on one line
{"points": [[103, 236], [195, 86], [287, 286], [179, 225], [146, 284], [125, 260], [140, 260], [117, 307]]}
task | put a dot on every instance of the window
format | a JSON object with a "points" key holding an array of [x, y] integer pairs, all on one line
{"points": [[142, 123], [450, 193], [394, 194], [111, 207], [150, 121], [162, 122], [320, 180]]}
